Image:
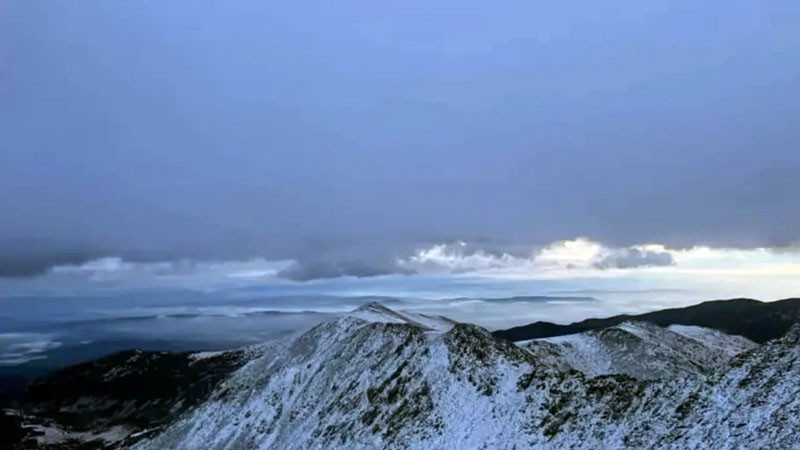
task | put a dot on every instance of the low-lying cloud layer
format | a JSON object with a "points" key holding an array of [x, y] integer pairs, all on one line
{"points": [[19, 348]]}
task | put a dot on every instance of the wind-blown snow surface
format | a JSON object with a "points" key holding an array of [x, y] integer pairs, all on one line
{"points": [[726, 343], [641, 350], [375, 312], [355, 383]]}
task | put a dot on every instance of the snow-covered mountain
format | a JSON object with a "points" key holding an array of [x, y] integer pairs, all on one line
{"points": [[640, 349], [380, 379]]}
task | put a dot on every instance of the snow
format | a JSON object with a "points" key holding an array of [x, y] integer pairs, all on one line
{"points": [[53, 435], [375, 312], [729, 344], [376, 379], [639, 349], [199, 356]]}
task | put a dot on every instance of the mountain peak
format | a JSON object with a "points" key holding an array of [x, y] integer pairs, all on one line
{"points": [[374, 306], [377, 312]]}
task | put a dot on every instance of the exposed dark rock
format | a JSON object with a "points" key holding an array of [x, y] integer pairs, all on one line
{"points": [[134, 389]]}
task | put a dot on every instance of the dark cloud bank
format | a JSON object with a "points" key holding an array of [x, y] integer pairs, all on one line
{"points": [[313, 270], [163, 130]]}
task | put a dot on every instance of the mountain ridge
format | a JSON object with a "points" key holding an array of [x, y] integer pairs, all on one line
{"points": [[379, 378], [639, 349], [356, 384], [753, 319]]}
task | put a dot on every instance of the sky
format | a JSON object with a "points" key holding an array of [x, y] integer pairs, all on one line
{"points": [[295, 142]]}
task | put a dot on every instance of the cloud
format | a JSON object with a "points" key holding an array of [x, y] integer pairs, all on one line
{"points": [[114, 265], [116, 269], [580, 253], [19, 348], [560, 256], [23, 258], [584, 257], [629, 258], [458, 257], [456, 152], [315, 270], [575, 258]]}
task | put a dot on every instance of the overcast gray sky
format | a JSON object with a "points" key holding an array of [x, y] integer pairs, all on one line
{"points": [[158, 130]]}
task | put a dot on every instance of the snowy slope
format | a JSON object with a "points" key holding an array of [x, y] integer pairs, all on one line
{"points": [[753, 404], [726, 343], [358, 384], [639, 349]]}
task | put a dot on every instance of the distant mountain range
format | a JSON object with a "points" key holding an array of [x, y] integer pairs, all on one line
{"points": [[386, 379], [753, 319]]}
